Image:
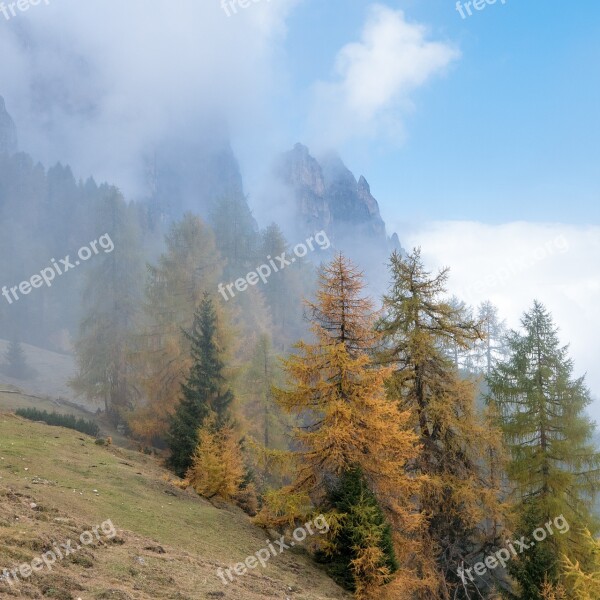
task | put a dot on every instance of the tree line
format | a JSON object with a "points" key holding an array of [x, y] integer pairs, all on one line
{"points": [[425, 432]]}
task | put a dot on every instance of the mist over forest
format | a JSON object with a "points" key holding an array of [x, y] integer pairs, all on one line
{"points": [[312, 273]]}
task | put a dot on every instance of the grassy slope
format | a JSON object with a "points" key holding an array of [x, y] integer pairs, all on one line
{"points": [[13, 397], [58, 470], [52, 371]]}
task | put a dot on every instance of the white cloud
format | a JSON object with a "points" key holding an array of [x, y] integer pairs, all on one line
{"points": [[515, 263], [376, 77], [96, 83]]}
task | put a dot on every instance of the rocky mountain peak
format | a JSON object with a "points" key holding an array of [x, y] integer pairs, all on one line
{"points": [[329, 197], [363, 185], [302, 171]]}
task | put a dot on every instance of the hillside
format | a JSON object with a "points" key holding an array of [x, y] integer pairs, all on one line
{"points": [[52, 369], [56, 484]]}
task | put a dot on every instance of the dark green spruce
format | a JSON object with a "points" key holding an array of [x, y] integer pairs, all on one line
{"points": [[364, 521], [204, 391]]}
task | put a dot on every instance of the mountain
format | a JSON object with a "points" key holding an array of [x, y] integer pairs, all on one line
{"points": [[192, 175], [327, 196], [8, 131]]}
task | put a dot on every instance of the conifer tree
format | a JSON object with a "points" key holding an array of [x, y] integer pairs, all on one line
{"points": [[205, 392], [189, 267], [266, 426], [492, 347], [364, 526], [584, 584], [218, 467], [347, 425], [236, 235], [554, 466], [463, 356], [459, 495], [286, 287], [111, 300], [16, 363]]}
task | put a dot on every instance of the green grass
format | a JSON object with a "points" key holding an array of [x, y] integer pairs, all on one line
{"points": [[81, 484]]}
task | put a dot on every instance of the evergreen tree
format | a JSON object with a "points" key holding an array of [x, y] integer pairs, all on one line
{"points": [[363, 525], [463, 356], [346, 425], [16, 363], [459, 496], [111, 300], [204, 393], [492, 348], [265, 424], [285, 289], [236, 234], [554, 466], [189, 267]]}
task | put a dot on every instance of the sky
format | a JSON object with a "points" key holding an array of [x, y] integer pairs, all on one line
{"points": [[479, 136]]}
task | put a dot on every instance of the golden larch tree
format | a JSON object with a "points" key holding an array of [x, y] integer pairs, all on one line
{"points": [[461, 452], [347, 426]]}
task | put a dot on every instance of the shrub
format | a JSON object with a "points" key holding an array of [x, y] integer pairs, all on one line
{"points": [[69, 421]]}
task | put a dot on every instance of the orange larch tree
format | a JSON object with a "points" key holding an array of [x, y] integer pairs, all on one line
{"points": [[348, 426]]}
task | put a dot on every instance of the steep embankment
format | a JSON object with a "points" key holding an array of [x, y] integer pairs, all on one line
{"points": [[56, 484]]}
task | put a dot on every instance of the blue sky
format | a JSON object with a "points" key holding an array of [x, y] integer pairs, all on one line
{"points": [[496, 167], [509, 131]]}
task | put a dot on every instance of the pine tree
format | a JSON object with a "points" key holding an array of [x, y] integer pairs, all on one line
{"points": [[111, 300], [347, 424], [286, 287], [161, 357], [266, 426], [204, 393], [554, 466], [463, 356], [16, 363], [459, 495], [492, 347], [236, 235], [363, 526]]}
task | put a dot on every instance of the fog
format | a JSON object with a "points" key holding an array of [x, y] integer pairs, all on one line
{"points": [[98, 85]]}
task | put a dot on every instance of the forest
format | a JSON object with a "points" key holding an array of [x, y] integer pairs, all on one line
{"points": [[219, 337]]}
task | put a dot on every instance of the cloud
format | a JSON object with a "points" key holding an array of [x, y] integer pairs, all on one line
{"points": [[376, 78], [96, 83], [515, 263]]}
